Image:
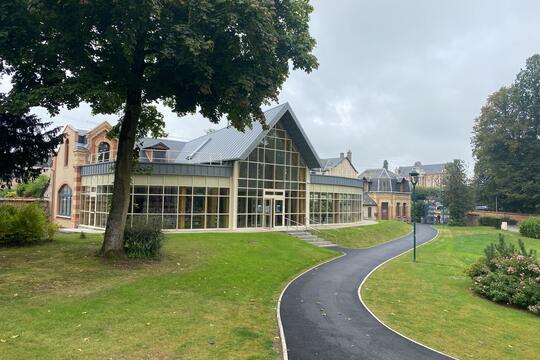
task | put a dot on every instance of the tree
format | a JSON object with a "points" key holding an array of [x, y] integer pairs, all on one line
{"points": [[506, 144], [217, 57], [456, 193], [25, 142]]}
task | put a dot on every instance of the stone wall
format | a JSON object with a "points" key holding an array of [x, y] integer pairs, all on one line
{"points": [[18, 201]]}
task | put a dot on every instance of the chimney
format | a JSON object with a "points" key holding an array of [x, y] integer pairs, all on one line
{"points": [[341, 156], [349, 155]]}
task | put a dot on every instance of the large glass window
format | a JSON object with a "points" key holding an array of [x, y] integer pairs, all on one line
{"points": [[104, 152], [170, 207], [274, 164], [64, 201], [334, 208]]}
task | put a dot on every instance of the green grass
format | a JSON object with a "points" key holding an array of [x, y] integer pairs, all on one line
{"points": [[431, 301], [212, 296], [367, 235]]}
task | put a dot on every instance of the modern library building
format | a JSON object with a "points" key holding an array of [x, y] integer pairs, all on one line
{"points": [[261, 178]]}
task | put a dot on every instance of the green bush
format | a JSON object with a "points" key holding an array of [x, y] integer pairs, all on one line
{"points": [[24, 224], [143, 241], [508, 275], [530, 228], [496, 222], [34, 189]]}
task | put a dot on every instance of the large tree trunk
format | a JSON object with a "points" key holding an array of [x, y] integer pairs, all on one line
{"points": [[113, 242]]}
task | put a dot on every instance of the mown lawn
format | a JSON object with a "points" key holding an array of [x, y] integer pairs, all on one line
{"points": [[212, 296], [367, 235], [431, 301]]}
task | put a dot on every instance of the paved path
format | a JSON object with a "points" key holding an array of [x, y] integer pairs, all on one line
{"points": [[323, 317]]}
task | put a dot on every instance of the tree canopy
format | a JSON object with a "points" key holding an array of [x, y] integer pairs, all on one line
{"points": [[506, 144], [218, 57], [25, 143], [456, 193]]}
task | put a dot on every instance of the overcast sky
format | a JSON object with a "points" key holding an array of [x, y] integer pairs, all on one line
{"points": [[398, 80]]}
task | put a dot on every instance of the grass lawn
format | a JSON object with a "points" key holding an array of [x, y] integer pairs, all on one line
{"points": [[367, 235], [431, 301], [212, 296]]}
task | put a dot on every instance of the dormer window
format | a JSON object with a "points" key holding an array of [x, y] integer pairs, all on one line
{"points": [[104, 152], [157, 152]]}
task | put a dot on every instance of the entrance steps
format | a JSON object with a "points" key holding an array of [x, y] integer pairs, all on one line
{"points": [[310, 238]]}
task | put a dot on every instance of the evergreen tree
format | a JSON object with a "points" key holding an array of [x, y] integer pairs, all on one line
{"points": [[456, 193], [25, 142]]}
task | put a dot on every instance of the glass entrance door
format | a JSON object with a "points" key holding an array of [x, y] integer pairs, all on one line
{"points": [[279, 212], [274, 210], [268, 220], [92, 211]]}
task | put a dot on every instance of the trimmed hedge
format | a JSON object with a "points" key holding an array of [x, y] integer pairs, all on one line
{"points": [[530, 228], [496, 222], [143, 241], [24, 224]]}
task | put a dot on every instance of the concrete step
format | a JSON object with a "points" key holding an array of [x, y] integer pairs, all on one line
{"points": [[310, 238]]}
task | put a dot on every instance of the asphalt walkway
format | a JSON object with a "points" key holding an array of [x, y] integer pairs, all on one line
{"points": [[323, 317]]}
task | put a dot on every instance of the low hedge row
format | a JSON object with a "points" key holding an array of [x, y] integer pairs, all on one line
{"points": [[496, 222], [530, 228]]}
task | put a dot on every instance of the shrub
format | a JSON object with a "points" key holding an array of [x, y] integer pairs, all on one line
{"points": [[24, 224], [496, 222], [508, 275], [34, 189], [530, 228], [143, 241]]}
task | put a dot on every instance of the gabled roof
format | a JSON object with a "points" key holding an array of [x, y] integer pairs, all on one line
{"points": [[368, 200], [330, 163], [229, 144], [422, 169]]}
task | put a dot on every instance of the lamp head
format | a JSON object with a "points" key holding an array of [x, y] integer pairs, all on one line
{"points": [[414, 176]]}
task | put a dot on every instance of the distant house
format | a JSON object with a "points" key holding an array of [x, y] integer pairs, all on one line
{"points": [[370, 207], [430, 175], [338, 166], [390, 192]]}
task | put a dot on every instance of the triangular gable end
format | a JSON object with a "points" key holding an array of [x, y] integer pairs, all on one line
{"points": [[291, 125]]}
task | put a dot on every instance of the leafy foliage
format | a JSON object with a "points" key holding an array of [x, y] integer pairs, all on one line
{"points": [[25, 142], [216, 57], [530, 228], [508, 275], [24, 224], [456, 193], [35, 189], [495, 222], [506, 144], [143, 241]]}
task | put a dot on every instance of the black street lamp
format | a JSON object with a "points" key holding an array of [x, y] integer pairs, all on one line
{"points": [[414, 180]]}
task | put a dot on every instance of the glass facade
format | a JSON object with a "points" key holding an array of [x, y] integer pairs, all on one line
{"points": [[334, 208], [272, 184], [171, 207]]}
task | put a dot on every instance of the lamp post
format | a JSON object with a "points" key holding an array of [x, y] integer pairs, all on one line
{"points": [[414, 180]]}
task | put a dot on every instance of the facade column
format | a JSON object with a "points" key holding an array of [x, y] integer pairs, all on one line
{"points": [[308, 195], [234, 195]]}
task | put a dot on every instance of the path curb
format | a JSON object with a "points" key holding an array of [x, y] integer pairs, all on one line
{"points": [[379, 320], [281, 331]]}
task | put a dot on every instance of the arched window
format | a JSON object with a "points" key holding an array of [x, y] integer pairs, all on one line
{"points": [[104, 152], [64, 201], [66, 152]]}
